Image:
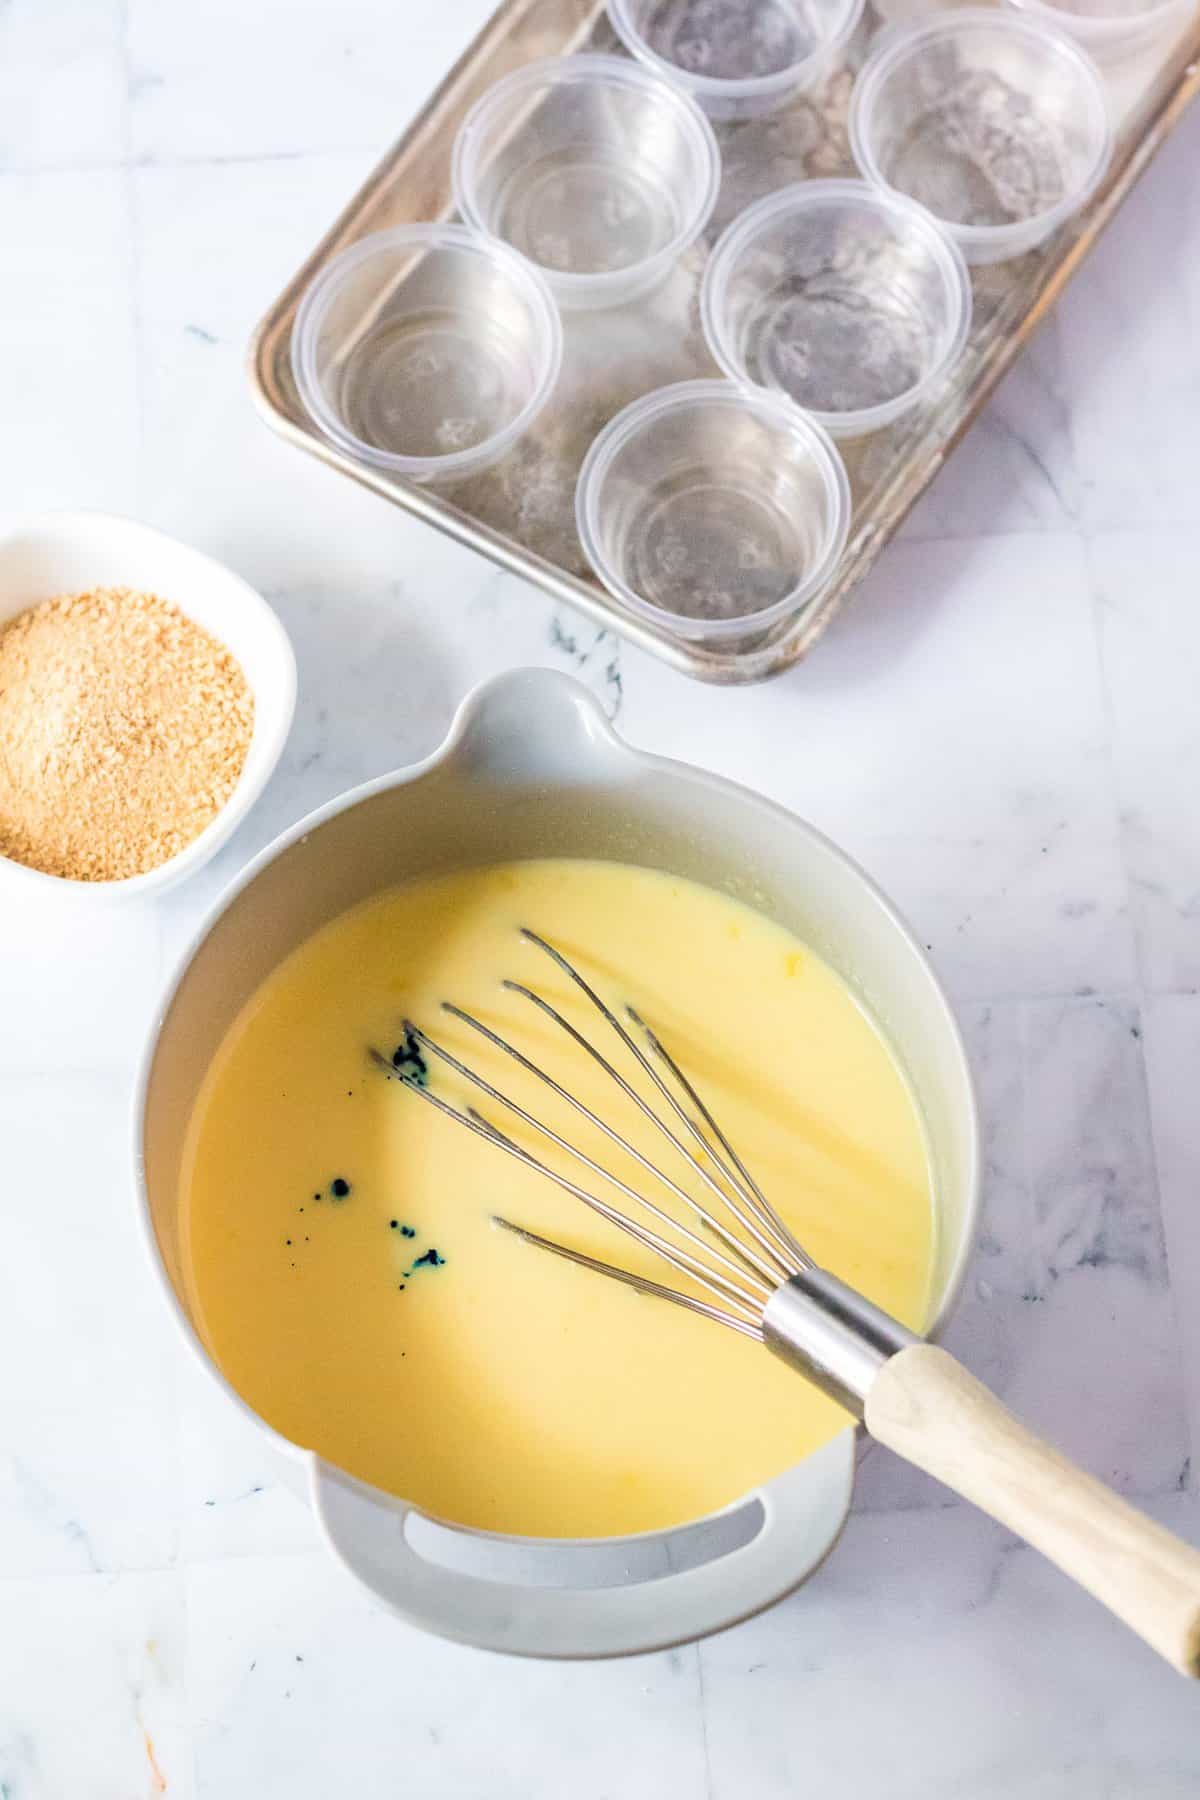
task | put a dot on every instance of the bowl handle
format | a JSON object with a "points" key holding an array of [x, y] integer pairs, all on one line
{"points": [[803, 1513]]}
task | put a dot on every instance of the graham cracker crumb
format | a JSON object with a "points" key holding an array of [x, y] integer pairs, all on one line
{"points": [[124, 727]]}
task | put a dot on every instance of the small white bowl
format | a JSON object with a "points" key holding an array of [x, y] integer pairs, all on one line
{"points": [[43, 554]]}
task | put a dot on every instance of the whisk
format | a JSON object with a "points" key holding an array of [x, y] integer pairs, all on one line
{"points": [[760, 1282]]}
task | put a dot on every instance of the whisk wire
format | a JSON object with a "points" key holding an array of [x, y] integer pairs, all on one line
{"points": [[680, 1258], [769, 1269], [740, 1250], [485, 1129], [740, 1288], [641, 1284], [755, 1198], [784, 1248], [733, 1286]]}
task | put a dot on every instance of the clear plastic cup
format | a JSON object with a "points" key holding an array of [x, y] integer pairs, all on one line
{"points": [[427, 350], [737, 58], [593, 169], [851, 300], [996, 123], [1111, 30], [713, 509]]}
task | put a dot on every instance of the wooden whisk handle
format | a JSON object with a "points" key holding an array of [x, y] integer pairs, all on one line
{"points": [[927, 1408], [921, 1403]]}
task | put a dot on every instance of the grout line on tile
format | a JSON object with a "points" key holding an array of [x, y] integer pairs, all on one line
{"points": [[1190, 1476], [133, 252], [698, 1649], [102, 165], [1133, 908], [1141, 999], [1019, 528], [1141, 1010], [178, 1563]]}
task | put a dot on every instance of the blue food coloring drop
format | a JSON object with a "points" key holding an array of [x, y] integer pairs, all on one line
{"points": [[409, 1062], [429, 1259]]}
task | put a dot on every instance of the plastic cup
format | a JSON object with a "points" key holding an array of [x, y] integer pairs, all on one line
{"points": [[851, 300], [711, 509], [427, 350], [737, 58], [996, 123], [1111, 30], [597, 172]]}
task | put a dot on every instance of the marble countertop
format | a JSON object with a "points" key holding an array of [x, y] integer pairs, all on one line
{"points": [[1003, 726]]}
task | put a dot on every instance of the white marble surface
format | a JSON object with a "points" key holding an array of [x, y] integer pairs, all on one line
{"points": [[1003, 726]]}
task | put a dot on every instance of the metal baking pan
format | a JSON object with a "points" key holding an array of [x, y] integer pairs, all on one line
{"points": [[521, 513]]}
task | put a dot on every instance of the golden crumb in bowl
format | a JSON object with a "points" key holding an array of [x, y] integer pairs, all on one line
{"points": [[124, 727]]}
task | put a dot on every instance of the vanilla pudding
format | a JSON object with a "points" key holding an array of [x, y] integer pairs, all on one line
{"points": [[337, 1240]]}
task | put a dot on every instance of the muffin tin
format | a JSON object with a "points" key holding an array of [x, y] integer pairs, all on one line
{"points": [[647, 331]]}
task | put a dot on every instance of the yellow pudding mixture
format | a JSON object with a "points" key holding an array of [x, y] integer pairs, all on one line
{"points": [[340, 1257]]}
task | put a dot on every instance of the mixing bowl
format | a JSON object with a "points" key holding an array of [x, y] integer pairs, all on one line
{"points": [[530, 768], [594, 169]]}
